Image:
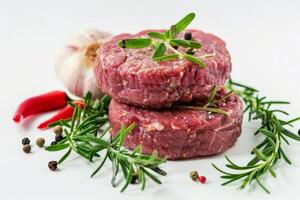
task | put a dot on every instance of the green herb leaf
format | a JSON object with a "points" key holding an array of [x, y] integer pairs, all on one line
{"points": [[166, 57], [128, 178], [291, 135], [195, 44], [173, 32], [212, 94], [259, 154], [195, 60], [183, 23], [157, 35], [183, 43], [88, 138], [207, 109], [57, 147], [100, 166], [186, 43], [151, 176], [64, 157], [160, 51], [267, 133], [137, 43]]}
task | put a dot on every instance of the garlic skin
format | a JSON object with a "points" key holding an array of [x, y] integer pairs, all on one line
{"points": [[74, 64]]}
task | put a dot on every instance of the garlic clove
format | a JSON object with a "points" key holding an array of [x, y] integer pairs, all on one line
{"points": [[74, 64]]}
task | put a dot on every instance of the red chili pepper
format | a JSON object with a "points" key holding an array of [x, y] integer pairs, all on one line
{"points": [[65, 113], [41, 103]]}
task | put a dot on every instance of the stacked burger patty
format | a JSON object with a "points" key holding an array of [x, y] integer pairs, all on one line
{"points": [[163, 98]]}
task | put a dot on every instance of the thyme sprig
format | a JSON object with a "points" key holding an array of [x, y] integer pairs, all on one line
{"points": [[270, 150], [83, 135], [162, 42]]}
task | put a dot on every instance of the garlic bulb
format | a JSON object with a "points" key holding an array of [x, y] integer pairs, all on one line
{"points": [[74, 64]]}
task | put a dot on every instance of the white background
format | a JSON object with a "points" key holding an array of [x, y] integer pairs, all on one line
{"points": [[262, 36]]}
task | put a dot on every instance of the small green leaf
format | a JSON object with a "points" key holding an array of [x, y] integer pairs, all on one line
{"points": [[159, 171], [142, 179], [136, 43], [272, 172], [259, 154], [183, 43], [64, 157], [262, 186], [285, 156], [290, 134], [195, 44], [242, 86], [100, 166], [212, 94], [207, 109], [166, 57], [173, 32], [157, 35], [186, 43], [267, 133], [160, 50], [182, 24], [195, 60], [215, 110], [151, 176], [87, 98], [293, 120], [128, 177], [275, 102], [93, 140], [61, 123], [57, 147]]}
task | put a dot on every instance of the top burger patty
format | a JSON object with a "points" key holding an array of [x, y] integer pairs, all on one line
{"points": [[131, 76]]}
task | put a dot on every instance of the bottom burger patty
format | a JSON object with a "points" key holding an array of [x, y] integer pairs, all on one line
{"points": [[179, 132]]}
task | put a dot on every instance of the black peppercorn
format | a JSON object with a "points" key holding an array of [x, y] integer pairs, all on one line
{"points": [[53, 143], [188, 36], [175, 46], [299, 132], [123, 44], [25, 141], [58, 138], [52, 165]]}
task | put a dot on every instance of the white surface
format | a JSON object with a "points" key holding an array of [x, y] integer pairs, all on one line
{"points": [[262, 36]]}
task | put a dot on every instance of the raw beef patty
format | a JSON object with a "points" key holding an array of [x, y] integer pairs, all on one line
{"points": [[179, 132], [131, 76]]}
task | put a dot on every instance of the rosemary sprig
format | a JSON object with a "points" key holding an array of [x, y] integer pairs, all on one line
{"points": [[162, 42], [270, 150], [84, 137], [211, 104]]}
